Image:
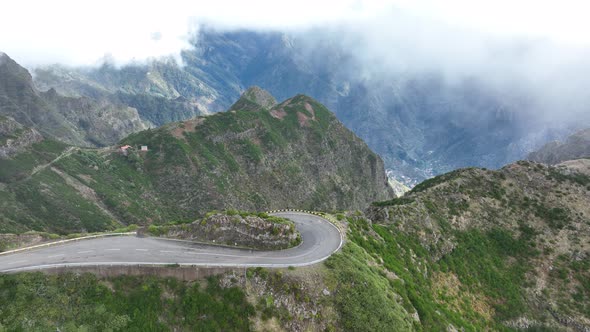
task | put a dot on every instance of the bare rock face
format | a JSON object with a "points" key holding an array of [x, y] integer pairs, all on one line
{"points": [[14, 138], [250, 231], [260, 97]]}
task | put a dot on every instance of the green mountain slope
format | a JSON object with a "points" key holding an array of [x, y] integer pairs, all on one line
{"points": [[295, 155], [500, 249], [471, 250]]}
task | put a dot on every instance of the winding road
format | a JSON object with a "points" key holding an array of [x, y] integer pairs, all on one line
{"points": [[320, 239]]}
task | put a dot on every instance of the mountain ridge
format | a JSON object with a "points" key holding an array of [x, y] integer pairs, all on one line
{"points": [[573, 147], [419, 123], [296, 155], [80, 121]]}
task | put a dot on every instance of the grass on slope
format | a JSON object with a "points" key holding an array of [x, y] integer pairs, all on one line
{"points": [[477, 286], [364, 298], [22, 164], [121, 185], [70, 302]]}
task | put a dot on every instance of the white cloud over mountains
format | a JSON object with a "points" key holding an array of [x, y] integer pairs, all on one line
{"points": [[83, 32], [538, 46]]}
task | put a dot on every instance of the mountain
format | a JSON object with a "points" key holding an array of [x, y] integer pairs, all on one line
{"points": [[257, 156], [504, 249], [574, 147], [470, 250], [80, 121], [161, 91], [14, 137], [418, 122]]}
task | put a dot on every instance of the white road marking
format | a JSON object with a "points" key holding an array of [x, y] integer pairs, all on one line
{"points": [[235, 256], [84, 252], [55, 256], [249, 258]]}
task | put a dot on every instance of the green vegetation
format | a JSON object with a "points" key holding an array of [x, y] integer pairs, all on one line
{"points": [[22, 164], [365, 299], [481, 261], [70, 302], [472, 252], [404, 256], [395, 201], [432, 182], [578, 178], [247, 159], [489, 267]]}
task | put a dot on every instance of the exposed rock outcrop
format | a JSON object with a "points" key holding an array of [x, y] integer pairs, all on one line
{"points": [[14, 138], [251, 231]]}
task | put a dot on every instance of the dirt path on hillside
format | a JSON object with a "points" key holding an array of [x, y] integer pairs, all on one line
{"points": [[65, 153]]}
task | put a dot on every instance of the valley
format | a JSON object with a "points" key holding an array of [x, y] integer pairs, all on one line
{"points": [[372, 176]]}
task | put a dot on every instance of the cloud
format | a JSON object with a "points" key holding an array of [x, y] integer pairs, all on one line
{"points": [[83, 32], [546, 72], [540, 49]]}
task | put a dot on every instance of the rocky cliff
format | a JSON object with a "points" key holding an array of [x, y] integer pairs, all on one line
{"points": [[257, 231], [14, 138]]}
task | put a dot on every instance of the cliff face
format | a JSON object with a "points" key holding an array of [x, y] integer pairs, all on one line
{"points": [[293, 155], [574, 147], [79, 121]]}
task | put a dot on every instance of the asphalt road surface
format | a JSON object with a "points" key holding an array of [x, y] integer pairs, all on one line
{"points": [[319, 240]]}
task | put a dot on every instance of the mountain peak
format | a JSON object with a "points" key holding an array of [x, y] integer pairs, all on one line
{"points": [[259, 96], [12, 71]]}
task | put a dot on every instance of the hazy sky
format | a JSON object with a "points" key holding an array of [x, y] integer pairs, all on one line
{"points": [[82, 32]]}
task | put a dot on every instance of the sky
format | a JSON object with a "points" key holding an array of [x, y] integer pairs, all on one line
{"points": [[84, 32]]}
